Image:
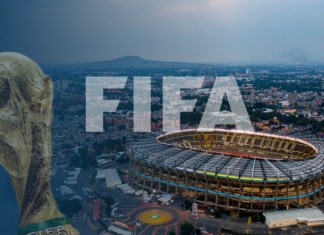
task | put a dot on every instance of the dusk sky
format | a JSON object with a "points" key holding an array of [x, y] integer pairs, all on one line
{"points": [[220, 31]]}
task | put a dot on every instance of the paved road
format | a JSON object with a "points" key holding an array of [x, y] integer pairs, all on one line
{"points": [[130, 206]]}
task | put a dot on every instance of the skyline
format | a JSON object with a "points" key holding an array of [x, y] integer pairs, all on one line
{"points": [[209, 31], [134, 59]]}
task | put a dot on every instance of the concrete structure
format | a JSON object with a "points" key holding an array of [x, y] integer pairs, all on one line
{"points": [[145, 197], [110, 176], [165, 198], [284, 103], [235, 170], [308, 217], [194, 210]]}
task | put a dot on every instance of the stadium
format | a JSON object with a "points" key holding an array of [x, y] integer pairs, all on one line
{"points": [[230, 169]]}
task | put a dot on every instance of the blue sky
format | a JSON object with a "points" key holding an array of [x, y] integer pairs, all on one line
{"points": [[223, 31]]}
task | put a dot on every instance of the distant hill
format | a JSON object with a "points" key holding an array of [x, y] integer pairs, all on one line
{"points": [[294, 57], [135, 65], [136, 62], [128, 59], [129, 65]]}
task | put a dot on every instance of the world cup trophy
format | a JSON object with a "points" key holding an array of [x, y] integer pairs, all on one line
{"points": [[25, 144]]}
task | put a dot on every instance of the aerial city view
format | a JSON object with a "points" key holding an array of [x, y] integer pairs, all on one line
{"points": [[162, 117]]}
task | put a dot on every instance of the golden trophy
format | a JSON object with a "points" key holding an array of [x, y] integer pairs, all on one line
{"points": [[25, 144]]}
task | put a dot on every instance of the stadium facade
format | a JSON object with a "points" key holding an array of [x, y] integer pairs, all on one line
{"points": [[235, 170]]}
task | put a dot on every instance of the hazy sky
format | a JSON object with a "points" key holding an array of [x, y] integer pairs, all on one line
{"points": [[178, 30]]}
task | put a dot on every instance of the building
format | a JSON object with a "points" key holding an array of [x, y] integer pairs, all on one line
{"points": [[308, 217], [110, 176], [235, 170], [284, 103]]}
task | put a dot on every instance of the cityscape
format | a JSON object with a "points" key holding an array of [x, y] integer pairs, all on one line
{"points": [[100, 172], [179, 117]]}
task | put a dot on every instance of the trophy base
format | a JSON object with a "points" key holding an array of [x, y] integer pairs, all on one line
{"points": [[58, 226]]}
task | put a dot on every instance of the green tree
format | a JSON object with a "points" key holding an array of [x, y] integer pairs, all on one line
{"points": [[109, 201], [186, 228], [69, 207], [197, 231], [187, 204]]}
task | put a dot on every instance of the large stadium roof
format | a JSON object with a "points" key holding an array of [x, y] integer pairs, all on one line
{"points": [[237, 168]]}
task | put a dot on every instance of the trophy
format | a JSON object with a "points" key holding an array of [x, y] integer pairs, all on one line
{"points": [[25, 144]]}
